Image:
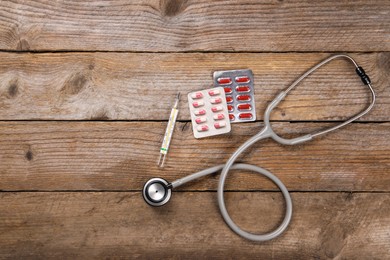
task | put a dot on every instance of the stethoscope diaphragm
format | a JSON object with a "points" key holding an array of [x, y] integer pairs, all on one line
{"points": [[157, 192]]}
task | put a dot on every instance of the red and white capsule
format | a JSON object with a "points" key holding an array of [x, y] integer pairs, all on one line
{"points": [[214, 92], [217, 108], [196, 95], [200, 120], [202, 128], [216, 100], [219, 117], [199, 112], [220, 124], [198, 103]]}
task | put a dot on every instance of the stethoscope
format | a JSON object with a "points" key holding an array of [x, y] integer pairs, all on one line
{"points": [[158, 191]]}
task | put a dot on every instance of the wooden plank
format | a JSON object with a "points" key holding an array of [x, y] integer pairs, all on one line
{"points": [[180, 25], [134, 86], [123, 156], [120, 225]]}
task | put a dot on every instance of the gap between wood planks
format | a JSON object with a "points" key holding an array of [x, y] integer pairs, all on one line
{"points": [[184, 52], [184, 121], [198, 191]]}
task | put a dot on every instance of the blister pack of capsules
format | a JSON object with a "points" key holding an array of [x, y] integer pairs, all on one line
{"points": [[240, 93], [209, 114]]}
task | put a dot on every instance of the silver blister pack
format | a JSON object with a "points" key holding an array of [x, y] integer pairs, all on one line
{"points": [[240, 93]]}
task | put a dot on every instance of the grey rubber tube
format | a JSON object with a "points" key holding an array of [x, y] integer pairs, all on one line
{"points": [[221, 201], [230, 166]]}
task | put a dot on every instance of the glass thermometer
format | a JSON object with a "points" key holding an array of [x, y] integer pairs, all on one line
{"points": [[168, 132]]}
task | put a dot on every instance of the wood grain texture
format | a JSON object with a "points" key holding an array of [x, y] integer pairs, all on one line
{"points": [[181, 25], [134, 86], [70, 188], [123, 156], [100, 225]]}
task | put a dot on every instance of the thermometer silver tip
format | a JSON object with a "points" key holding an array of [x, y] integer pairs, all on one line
{"points": [[177, 100]]}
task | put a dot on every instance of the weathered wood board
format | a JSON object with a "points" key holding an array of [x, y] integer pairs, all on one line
{"points": [[134, 86], [123, 155], [120, 225], [181, 25], [86, 88]]}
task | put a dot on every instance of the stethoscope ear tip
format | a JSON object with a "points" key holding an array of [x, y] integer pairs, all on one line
{"points": [[157, 192]]}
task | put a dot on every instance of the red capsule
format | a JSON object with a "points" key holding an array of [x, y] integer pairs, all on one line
{"points": [[245, 116], [244, 98], [224, 81], [243, 89], [244, 107], [229, 99], [230, 108], [231, 117], [242, 79], [228, 90]]}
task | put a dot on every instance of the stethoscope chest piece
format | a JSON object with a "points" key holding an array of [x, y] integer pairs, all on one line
{"points": [[157, 192]]}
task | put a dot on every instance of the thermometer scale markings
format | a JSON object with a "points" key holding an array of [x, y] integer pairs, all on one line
{"points": [[168, 132]]}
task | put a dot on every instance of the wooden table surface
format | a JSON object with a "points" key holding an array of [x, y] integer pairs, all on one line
{"points": [[86, 88]]}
